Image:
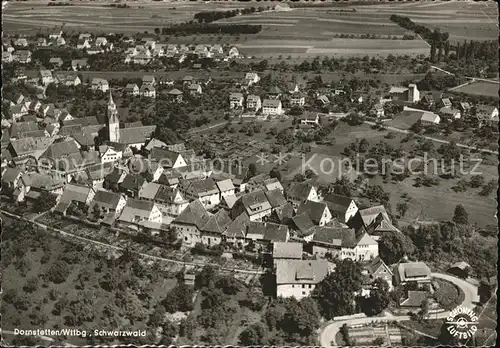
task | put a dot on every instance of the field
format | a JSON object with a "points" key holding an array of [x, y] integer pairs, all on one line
{"points": [[426, 203], [364, 336], [462, 20], [479, 87], [302, 32], [142, 15]]}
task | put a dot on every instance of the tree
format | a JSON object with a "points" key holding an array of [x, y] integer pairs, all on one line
{"points": [[376, 193], [433, 51], [179, 299], [252, 170], [393, 245], [378, 341], [157, 318], [96, 212], [379, 298], [229, 285], [58, 272], [206, 278], [255, 335], [363, 145], [45, 202], [31, 285], [186, 327], [342, 187], [402, 208], [488, 188], [335, 293], [476, 181], [275, 173], [460, 216]]}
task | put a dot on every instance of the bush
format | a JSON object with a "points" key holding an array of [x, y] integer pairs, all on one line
{"points": [[200, 249], [179, 299], [448, 295], [58, 272]]}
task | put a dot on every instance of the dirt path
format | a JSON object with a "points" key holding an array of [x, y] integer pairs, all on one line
{"points": [[116, 248]]}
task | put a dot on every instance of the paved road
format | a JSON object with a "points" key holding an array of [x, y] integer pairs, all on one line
{"points": [[327, 335], [117, 248], [404, 131]]}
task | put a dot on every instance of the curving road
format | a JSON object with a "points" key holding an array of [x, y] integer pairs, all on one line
{"points": [[327, 335]]}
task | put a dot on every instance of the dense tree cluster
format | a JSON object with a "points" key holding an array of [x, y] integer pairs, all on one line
{"points": [[426, 33], [212, 16], [335, 293], [393, 246], [451, 242], [285, 322], [179, 299]]}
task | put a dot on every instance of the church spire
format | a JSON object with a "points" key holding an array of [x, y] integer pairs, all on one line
{"points": [[111, 101]]}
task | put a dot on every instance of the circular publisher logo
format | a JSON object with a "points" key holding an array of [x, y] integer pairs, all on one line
{"points": [[462, 322]]}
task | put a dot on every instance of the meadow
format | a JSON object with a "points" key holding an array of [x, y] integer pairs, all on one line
{"points": [[479, 88]]}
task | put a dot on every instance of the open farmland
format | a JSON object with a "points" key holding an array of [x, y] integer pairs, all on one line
{"points": [[99, 17], [462, 20], [479, 87], [335, 46]]}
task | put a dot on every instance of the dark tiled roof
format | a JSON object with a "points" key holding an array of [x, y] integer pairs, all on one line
{"points": [[60, 149], [275, 233], [194, 214], [284, 214], [299, 190], [136, 135], [303, 222], [107, 199], [315, 210], [238, 228], [82, 121], [414, 299], [337, 203], [341, 237], [218, 222], [132, 182], [22, 127], [276, 198]]}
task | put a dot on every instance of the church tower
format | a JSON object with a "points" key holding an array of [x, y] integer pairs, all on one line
{"points": [[113, 122]]}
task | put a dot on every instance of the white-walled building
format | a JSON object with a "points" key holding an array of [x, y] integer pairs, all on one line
{"points": [[272, 107], [298, 278]]}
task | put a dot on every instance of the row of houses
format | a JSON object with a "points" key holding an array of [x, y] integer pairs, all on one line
{"points": [[149, 50]]}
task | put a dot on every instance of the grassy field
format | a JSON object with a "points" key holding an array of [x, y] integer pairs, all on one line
{"points": [[480, 88], [462, 20], [438, 202], [141, 16], [307, 48], [426, 203]]}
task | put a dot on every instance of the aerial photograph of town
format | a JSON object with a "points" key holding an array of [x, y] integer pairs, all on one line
{"points": [[249, 173]]}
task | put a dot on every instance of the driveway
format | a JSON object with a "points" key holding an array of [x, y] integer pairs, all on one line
{"points": [[327, 335]]}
